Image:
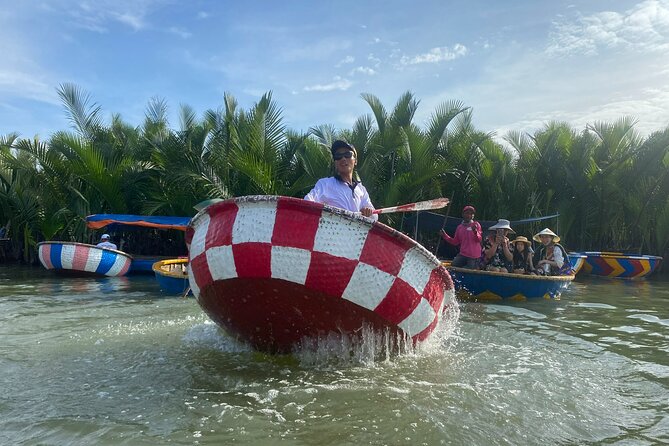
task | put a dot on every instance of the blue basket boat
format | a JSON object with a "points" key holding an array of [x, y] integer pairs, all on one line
{"points": [[487, 285], [172, 275]]}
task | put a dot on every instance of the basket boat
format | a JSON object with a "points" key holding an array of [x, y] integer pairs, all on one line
{"points": [[488, 285], [83, 259], [274, 271], [577, 261], [619, 265], [172, 275]]}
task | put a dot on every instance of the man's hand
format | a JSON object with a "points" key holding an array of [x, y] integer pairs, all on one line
{"points": [[367, 212]]}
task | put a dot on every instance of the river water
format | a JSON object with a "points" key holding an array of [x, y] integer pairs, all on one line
{"points": [[113, 361]]}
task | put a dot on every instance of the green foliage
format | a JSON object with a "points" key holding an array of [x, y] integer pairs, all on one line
{"points": [[609, 185]]}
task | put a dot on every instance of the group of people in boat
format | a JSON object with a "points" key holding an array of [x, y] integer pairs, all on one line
{"points": [[495, 252]]}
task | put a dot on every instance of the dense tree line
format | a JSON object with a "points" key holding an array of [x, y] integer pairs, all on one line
{"points": [[609, 184]]}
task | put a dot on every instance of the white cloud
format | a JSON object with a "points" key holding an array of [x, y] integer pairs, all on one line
{"points": [[436, 55], [337, 83], [203, 15], [346, 60], [362, 70], [643, 28]]}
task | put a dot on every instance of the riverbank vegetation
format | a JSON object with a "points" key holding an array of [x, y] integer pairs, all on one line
{"points": [[609, 184]]}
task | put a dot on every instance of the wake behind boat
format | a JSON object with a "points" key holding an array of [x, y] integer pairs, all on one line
{"points": [[81, 258], [275, 271]]}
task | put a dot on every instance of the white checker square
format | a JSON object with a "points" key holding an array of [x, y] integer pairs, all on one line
{"points": [[199, 240], [419, 319], [193, 283], [368, 286], [415, 270], [221, 262], [332, 229], [291, 264], [254, 222]]}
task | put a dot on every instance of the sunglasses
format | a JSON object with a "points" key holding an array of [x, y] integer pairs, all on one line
{"points": [[338, 156]]}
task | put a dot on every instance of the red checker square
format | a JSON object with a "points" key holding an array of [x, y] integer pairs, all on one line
{"points": [[200, 268], [384, 250], [296, 223], [222, 218], [189, 235], [434, 290], [253, 259], [399, 302], [329, 274]]}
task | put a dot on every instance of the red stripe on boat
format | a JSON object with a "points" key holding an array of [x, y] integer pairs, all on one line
{"points": [[295, 226], [223, 217], [80, 257], [252, 259], [383, 251], [329, 274], [400, 301]]}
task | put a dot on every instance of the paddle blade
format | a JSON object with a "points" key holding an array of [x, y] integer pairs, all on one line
{"points": [[437, 203]]}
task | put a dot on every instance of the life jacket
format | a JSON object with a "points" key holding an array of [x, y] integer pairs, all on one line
{"points": [[565, 270]]}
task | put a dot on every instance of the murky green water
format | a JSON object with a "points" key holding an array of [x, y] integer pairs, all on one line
{"points": [[112, 361]]}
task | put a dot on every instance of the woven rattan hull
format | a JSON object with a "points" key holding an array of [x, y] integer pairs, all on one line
{"points": [[276, 270], [83, 259]]}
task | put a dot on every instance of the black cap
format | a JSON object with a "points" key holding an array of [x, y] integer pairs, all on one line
{"points": [[341, 144]]}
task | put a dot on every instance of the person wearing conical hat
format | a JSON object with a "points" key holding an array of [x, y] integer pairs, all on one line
{"points": [[522, 256], [551, 258], [497, 254]]}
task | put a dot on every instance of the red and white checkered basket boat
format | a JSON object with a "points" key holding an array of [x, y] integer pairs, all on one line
{"points": [[274, 271]]}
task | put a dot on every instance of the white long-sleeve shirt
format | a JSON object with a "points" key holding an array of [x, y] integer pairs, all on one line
{"points": [[337, 193]]}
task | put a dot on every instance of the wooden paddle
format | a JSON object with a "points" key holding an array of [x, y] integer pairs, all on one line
{"points": [[427, 205]]}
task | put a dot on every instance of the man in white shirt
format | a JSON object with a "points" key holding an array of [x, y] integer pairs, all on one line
{"points": [[105, 243], [341, 190]]}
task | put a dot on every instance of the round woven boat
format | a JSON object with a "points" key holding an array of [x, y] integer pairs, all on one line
{"points": [[620, 265], [83, 259], [274, 271]]}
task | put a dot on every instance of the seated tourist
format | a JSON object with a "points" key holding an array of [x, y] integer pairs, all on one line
{"points": [[497, 254], [551, 258], [105, 243], [468, 237], [522, 256]]}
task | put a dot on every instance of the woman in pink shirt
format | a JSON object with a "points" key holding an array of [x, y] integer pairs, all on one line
{"points": [[468, 236]]}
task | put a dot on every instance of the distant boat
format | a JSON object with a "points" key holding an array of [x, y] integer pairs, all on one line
{"points": [[83, 259], [488, 285], [140, 263], [172, 275], [275, 271], [619, 265]]}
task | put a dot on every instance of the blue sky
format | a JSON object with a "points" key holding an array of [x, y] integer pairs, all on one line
{"points": [[518, 64]]}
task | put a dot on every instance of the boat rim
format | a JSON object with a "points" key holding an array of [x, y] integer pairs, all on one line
{"points": [[348, 215], [511, 275], [51, 242]]}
